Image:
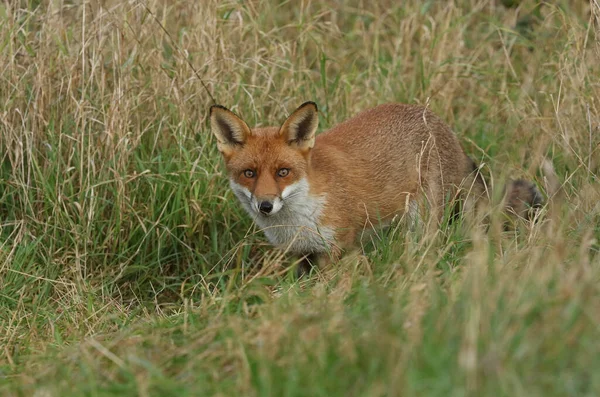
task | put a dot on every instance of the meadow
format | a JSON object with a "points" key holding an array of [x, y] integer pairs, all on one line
{"points": [[127, 266]]}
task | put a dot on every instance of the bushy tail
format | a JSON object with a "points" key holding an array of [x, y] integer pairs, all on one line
{"points": [[522, 199]]}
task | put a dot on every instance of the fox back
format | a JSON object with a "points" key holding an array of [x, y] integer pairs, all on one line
{"points": [[315, 194]]}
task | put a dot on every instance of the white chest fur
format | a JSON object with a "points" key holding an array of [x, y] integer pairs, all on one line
{"points": [[295, 227]]}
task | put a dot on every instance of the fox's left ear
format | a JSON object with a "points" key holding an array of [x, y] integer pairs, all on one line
{"points": [[231, 131], [299, 129]]}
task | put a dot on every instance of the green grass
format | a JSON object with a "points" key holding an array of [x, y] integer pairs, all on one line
{"points": [[127, 267]]}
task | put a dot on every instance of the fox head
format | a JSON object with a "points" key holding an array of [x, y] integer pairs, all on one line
{"points": [[267, 167]]}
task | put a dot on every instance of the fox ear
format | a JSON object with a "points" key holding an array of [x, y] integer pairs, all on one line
{"points": [[231, 131], [299, 129]]}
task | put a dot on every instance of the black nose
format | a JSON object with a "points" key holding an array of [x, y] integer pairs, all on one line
{"points": [[265, 207]]}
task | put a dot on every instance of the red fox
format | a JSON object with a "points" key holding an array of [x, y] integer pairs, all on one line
{"points": [[314, 195]]}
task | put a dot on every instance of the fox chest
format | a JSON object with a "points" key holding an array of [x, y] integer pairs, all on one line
{"points": [[297, 226], [297, 230]]}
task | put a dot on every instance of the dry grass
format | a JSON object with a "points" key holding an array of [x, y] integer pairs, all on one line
{"points": [[127, 267]]}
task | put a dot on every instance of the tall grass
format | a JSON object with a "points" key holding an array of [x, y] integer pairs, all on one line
{"points": [[128, 268]]}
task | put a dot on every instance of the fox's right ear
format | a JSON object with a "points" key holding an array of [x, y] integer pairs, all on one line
{"points": [[231, 131], [300, 127]]}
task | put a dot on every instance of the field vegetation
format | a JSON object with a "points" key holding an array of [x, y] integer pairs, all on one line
{"points": [[127, 267]]}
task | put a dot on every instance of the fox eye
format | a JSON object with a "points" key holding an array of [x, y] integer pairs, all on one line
{"points": [[283, 172], [249, 174]]}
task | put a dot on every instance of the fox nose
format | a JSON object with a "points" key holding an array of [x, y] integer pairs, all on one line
{"points": [[265, 207]]}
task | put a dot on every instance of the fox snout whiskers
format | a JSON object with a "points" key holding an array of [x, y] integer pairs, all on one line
{"points": [[267, 206]]}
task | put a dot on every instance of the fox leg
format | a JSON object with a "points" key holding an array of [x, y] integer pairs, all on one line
{"points": [[319, 260], [306, 265]]}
